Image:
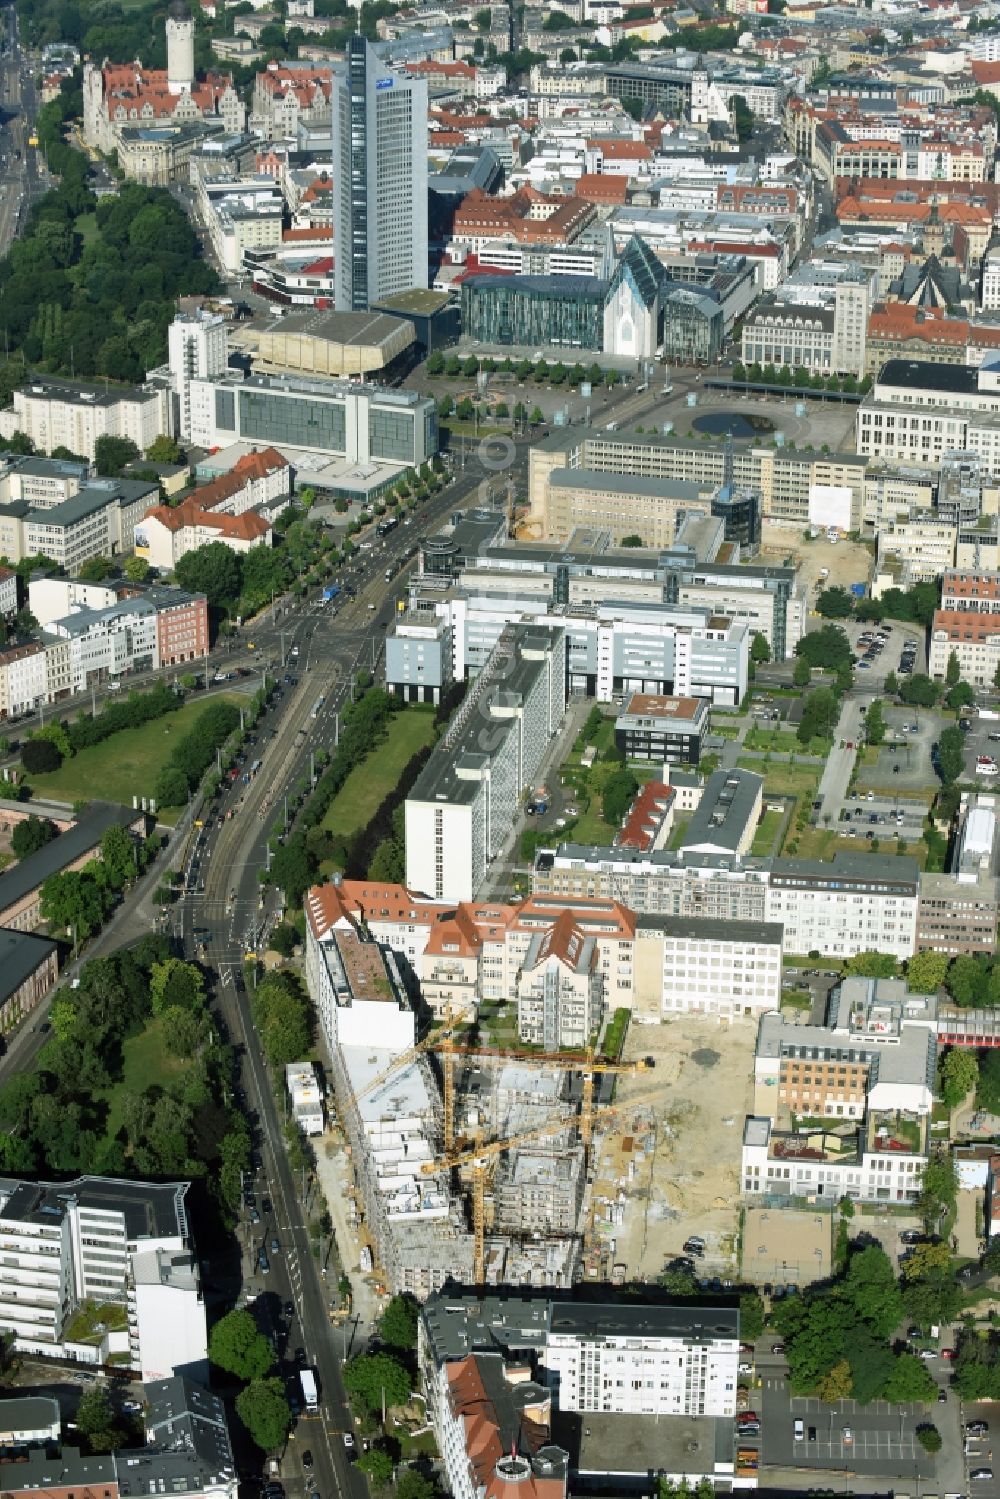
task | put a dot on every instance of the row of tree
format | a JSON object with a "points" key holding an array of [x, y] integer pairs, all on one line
{"points": [[297, 859], [794, 377], [193, 754], [525, 369], [914, 605]]}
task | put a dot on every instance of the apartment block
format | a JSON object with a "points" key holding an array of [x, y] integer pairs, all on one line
{"points": [[121, 1245], [853, 903], [560, 990], [918, 412], [494, 1431], [694, 965], [661, 1360], [869, 1164], [167, 533], [783, 478], [973, 637], [461, 809], [877, 1049], [462, 953], [958, 914], [418, 659], [186, 1450], [611, 648], [65, 414]]}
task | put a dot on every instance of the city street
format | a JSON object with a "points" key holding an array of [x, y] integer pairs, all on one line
{"points": [[231, 852]]}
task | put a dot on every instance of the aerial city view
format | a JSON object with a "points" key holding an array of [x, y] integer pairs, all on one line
{"points": [[500, 733]]}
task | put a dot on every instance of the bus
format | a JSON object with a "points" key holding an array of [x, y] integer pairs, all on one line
{"points": [[317, 707], [255, 767]]}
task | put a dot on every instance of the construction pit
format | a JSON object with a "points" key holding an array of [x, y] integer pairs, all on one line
{"points": [[672, 1167]]}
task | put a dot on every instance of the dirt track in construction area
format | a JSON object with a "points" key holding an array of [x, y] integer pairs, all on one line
{"points": [[672, 1161]]}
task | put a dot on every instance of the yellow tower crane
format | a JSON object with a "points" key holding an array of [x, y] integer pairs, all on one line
{"points": [[589, 1066], [480, 1155]]}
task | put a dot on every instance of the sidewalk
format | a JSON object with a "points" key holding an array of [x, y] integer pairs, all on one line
{"points": [[333, 1168]]}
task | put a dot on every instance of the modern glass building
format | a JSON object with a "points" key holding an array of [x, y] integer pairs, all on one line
{"points": [[380, 180], [531, 310], [360, 423]]}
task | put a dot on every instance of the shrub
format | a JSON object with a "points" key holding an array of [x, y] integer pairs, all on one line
{"points": [[39, 756]]}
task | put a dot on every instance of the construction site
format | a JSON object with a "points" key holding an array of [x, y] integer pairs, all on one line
{"points": [[491, 1167], [474, 1164]]}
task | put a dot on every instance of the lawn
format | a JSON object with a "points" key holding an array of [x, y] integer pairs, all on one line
{"points": [[767, 832], [784, 779], [86, 227], [146, 1062], [127, 764], [369, 783], [784, 742], [590, 826]]}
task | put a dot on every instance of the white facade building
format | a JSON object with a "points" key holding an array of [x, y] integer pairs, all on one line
{"points": [[726, 968], [56, 414], [79, 1242], [461, 809], [197, 349], [306, 1096]]}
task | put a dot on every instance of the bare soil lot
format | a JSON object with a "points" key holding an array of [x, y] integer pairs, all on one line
{"points": [[680, 1174], [783, 1246], [847, 561]]}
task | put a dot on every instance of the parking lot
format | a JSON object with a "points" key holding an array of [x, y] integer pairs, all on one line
{"points": [[873, 818], [878, 1439], [979, 1450], [881, 648], [983, 738]]}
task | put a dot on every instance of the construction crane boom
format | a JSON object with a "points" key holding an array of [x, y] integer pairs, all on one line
{"points": [[588, 1065], [480, 1155]]}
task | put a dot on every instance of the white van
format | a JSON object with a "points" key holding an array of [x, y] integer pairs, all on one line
{"points": [[800, 1431]]}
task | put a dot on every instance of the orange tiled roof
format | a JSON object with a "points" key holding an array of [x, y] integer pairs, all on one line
{"points": [[596, 187], [619, 150]]}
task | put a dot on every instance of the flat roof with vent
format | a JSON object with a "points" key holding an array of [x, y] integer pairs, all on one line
{"points": [[729, 801]]}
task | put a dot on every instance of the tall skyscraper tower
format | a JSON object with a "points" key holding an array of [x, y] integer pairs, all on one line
{"points": [[180, 48], [380, 180]]}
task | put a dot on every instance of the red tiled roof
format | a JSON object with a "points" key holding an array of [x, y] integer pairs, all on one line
{"points": [[966, 624], [247, 527]]}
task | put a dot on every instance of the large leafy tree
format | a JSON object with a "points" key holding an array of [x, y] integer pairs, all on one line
{"points": [[264, 1411], [239, 1347], [373, 1376], [213, 570], [398, 1324]]}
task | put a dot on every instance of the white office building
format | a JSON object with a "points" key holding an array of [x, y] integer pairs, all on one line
{"points": [[695, 965], [661, 1360], [197, 349]]}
